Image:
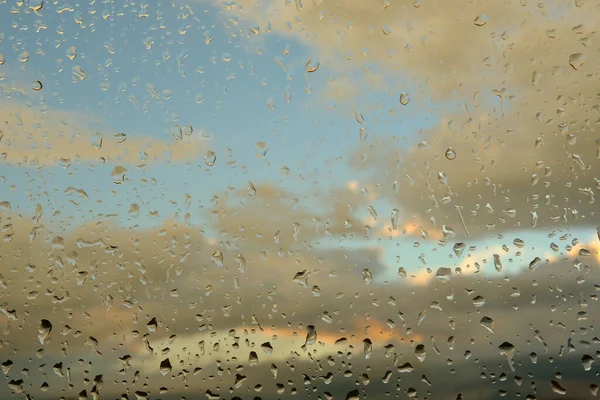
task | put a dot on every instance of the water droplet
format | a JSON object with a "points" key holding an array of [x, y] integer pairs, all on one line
{"points": [[71, 53], [118, 174], [535, 263], [253, 358], [497, 262], [261, 149], [556, 388], [450, 153], [311, 336], [587, 362], [312, 65], [576, 60], [421, 317], [420, 352], [519, 243], [267, 348], [367, 276], [210, 158], [479, 301], [394, 218], [459, 248], [404, 98], [217, 258], [165, 367], [44, 330], [23, 57], [152, 325], [353, 395], [443, 274], [2, 59], [487, 323], [367, 348], [37, 85], [508, 350], [481, 20]]}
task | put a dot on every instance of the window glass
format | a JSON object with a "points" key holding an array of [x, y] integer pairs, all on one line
{"points": [[322, 199]]}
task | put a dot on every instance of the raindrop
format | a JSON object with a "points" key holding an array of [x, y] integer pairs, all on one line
{"points": [[508, 350], [210, 158], [576, 60], [267, 348], [217, 258], [152, 325], [37, 85], [450, 153], [165, 367], [420, 352], [587, 361], [404, 98], [479, 301], [519, 243], [2, 59], [443, 274], [252, 358], [481, 20], [556, 388], [535, 263], [487, 323], [261, 149], [394, 218], [311, 336], [367, 348], [44, 330], [367, 276], [23, 57], [312, 65], [71, 53], [459, 248]]}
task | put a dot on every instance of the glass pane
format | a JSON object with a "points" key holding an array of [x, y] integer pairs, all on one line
{"points": [[323, 199]]}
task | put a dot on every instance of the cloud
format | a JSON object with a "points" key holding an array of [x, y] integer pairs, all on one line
{"points": [[44, 137], [108, 283]]}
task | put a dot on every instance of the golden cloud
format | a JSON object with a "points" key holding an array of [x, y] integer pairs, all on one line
{"points": [[45, 137]]}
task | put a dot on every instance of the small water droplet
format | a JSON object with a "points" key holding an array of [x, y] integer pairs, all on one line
{"points": [[394, 218], [367, 276], [311, 336], [576, 60], [71, 53], [487, 323], [404, 98], [37, 85], [420, 352], [450, 153], [44, 330], [479, 301], [165, 367], [217, 258], [2, 59], [367, 348], [312, 65], [556, 388], [481, 20], [261, 149], [23, 57], [210, 158]]}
